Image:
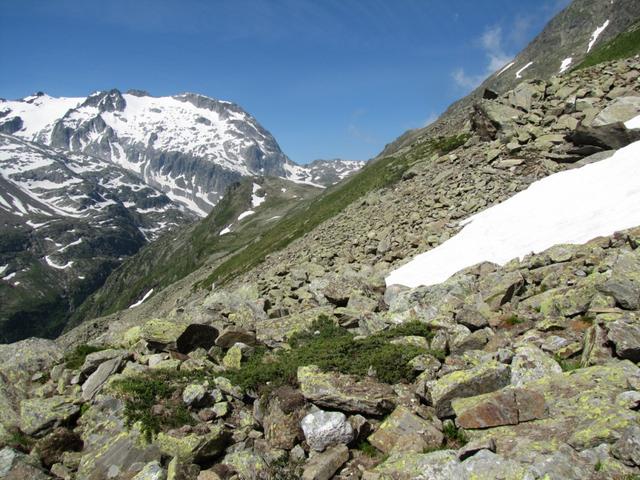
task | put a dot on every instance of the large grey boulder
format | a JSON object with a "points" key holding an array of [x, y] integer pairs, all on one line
{"points": [[15, 465], [621, 109], [39, 415], [625, 336], [324, 429]]}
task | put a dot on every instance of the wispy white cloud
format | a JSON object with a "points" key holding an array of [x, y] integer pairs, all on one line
{"points": [[492, 43]]}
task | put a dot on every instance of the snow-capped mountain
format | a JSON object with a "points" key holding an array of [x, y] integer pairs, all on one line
{"points": [[189, 146], [330, 172], [66, 220]]}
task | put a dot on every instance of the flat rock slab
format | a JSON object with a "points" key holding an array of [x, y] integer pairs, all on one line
{"points": [[324, 465], [509, 406], [345, 393], [406, 432], [39, 414]]}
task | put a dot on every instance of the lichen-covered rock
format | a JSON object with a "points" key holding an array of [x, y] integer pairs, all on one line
{"points": [[404, 431], [627, 448], [323, 466], [20, 360], [346, 393], [281, 420], [486, 464], [97, 379], [151, 471], [530, 363], [39, 415], [324, 429], [162, 334], [194, 447], [440, 465], [624, 283], [194, 394], [625, 336], [15, 465], [248, 464], [483, 378]]}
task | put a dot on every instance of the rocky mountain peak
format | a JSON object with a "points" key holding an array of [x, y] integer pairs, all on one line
{"points": [[107, 101]]}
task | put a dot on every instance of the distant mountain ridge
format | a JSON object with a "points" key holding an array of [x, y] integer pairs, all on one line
{"points": [[189, 146]]}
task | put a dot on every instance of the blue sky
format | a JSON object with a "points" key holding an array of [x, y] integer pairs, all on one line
{"points": [[329, 78]]}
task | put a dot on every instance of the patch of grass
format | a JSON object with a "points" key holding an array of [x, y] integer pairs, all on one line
{"points": [[20, 441], [514, 320], [625, 45], [74, 359], [568, 365], [333, 348], [598, 466], [454, 437], [142, 393], [367, 449], [382, 173]]}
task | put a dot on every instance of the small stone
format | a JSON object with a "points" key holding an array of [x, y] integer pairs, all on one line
{"points": [[324, 465]]}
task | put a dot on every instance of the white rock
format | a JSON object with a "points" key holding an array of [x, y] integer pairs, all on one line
{"points": [[323, 429]]}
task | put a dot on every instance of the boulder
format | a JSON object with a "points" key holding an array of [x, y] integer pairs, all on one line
{"points": [[500, 287], [324, 429], [324, 465], [162, 334], [15, 465], [194, 395], [621, 109], [404, 431], [248, 464], [625, 336], [439, 465], [39, 415], [509, 406], [196, 336], [530, 363], [230, 336], [624, 282], [484, 378], [97, 379], [95, 359], [486, 464], [20, 360], [627, 448], [346, 393], [281, 421], [194, 447], [607, 137], [151, 471]]}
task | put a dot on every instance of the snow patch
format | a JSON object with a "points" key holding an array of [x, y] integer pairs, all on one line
{"points": [[507, 67], [256, 201], [594, 36], [3, 268], [566, 63], [225, 230], [573, 206], [142, 300], [519, 72], [57, 266], [245, 214], [633, 123]]}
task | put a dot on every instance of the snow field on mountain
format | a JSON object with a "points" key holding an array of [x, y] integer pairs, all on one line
{"points": [[573, 206]]}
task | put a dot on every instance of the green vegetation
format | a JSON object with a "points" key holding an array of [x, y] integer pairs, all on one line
{"points": [[369, 450], [20, 441], [142, 393], [377, 175], [454, 437], [514, 320], [568, 365], [333, 348], [74, 359], [625, 45]]}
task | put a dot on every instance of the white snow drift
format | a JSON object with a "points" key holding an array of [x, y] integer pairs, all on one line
{"points": [[574, 206]]}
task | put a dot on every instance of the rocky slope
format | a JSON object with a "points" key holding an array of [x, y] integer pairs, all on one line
{"points": [[293, 358], [310, 367], [189, 146], [562, 45]]}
